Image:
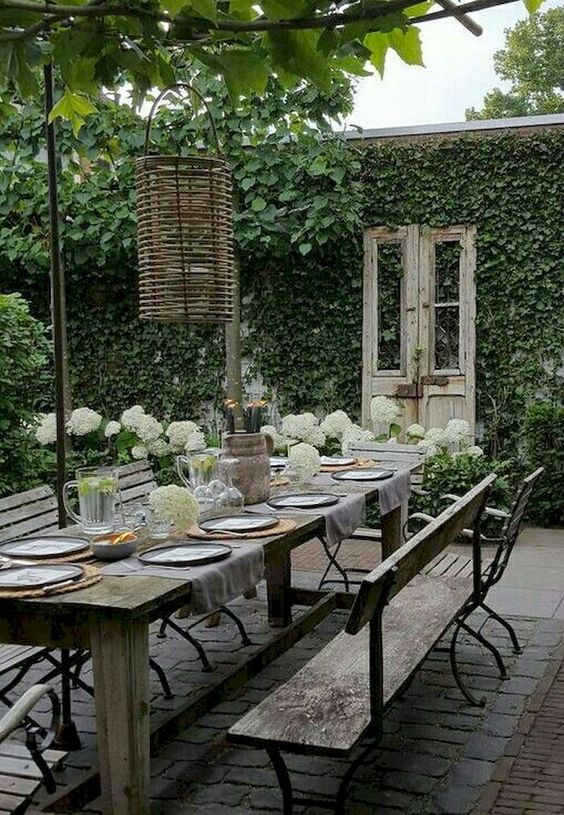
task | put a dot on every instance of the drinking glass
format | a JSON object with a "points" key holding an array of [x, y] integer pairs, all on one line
{"points": [[230, 498]]}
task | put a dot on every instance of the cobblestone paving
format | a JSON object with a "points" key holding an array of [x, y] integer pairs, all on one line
{"points": [[436, 756]]}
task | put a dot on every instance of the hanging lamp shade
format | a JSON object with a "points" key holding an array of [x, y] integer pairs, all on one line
{"points": [[185, 233]]}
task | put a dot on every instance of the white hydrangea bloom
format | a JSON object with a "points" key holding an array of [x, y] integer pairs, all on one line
{"points": [[458, 430], [148, 428], [392, 440], [297, 425], [175, 504], [196, 441], [130, 417], [305, 459], [415, 431], [112, 429], [178, 434], [431, 451], [316, 437], [280, 441], [139, 452], [46, 432], [158, 447], [83, 421], [474, 451], [438, 437], [355, 435], [384, 410], [335, 424]]}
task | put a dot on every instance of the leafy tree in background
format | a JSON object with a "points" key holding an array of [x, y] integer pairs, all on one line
{"points": [[98, 44], [533, 62]]}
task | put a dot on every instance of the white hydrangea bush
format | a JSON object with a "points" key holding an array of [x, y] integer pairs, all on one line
{"points": [[82, 421], [179, 433], [355, 435], [280, 441], [335, 424], [46, 431]]}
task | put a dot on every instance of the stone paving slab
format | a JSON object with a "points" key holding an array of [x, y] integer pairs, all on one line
{"points": [[437, 754]]}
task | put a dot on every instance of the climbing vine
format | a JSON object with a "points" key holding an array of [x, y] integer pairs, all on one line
{"points": [[304, 197]]}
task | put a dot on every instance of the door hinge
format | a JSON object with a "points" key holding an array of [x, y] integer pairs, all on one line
{"points": [[441, 381]]}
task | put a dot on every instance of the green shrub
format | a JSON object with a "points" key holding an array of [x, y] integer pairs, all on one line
{"points": [[457, 473], [24, 379], [543, 434]]}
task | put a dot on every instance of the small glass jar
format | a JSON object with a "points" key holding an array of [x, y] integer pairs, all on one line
{"points": [[159, 528], [230, 497]]}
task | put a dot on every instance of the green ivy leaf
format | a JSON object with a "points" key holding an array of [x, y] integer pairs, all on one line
{"points": [[74, 107], [533, 5], [258, 204], [305, 248]]}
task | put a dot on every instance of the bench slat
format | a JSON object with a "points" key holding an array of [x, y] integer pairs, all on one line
{"points": [[12, 656], [21, 498], [40, 523], [325, 706]]}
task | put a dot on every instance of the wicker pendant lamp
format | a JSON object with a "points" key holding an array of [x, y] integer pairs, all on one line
{"points": [[185, 233]]}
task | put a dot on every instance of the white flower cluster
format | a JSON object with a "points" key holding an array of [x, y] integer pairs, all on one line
{"points": [[415, 431], [305, 459], [130, 417], [280, 441], [303, 427], [178, 434], [158, 447], [355, 435], [459, 431], [148, 429], [196, 441], [474, 451], [112, 429], [335, 424], [138, 452], [46, 432], [174, 504], [83, 421], [384, 410]]}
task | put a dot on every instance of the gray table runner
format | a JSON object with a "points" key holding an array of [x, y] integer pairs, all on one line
{"points": [[392, 492], [341, 519], [213, 584]]}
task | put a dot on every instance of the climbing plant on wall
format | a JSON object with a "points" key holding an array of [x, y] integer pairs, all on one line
{"points": [[304, 198]]}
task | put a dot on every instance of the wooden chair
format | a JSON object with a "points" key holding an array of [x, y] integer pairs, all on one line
{"points": [[136, 480], [342, 694], [24, 766], [458, 566], [25, 513]]}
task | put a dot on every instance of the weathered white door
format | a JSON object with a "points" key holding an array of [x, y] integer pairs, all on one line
{"points": [[419, 310]]}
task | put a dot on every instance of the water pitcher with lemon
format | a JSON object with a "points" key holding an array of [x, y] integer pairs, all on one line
{"points": [[98, 497]]}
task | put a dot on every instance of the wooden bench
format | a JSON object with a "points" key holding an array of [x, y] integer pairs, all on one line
{"points": [[25, 513], [24, 766], [136, 481], [342, 694]]}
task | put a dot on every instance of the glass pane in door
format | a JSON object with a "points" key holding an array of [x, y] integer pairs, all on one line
{"points": [[447, 306], [390, 278]]}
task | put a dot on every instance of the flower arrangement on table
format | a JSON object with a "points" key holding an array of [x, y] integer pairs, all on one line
{"points": [[174, 505]]}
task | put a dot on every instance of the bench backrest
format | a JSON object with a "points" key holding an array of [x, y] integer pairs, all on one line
{"points": [[28, 513], [136, 481], [512, 527], [400, 568]]}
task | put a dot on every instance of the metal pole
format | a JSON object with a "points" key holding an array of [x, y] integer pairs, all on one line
{"points": [[67, 735], [58, 316], [233, 347]]}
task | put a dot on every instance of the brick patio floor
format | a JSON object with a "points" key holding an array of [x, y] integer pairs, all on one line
{"points": [[438, 754]]}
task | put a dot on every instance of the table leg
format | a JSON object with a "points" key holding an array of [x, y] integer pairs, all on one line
{"points": [[392, 526], [278, 572], [120, 656]]}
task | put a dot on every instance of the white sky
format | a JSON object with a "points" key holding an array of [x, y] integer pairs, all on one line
{"points": [[459, 72]]}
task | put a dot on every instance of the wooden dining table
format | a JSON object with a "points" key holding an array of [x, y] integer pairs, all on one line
{"points": [[112, 618]]}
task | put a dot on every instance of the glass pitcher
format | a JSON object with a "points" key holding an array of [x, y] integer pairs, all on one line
{"points": [[98, 495], [202, 476]]}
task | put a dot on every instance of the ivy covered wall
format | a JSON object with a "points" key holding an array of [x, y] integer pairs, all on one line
{"points": [[302, 210]]}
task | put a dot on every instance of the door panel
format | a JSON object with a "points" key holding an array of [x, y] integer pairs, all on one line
{"points": [[419, 310]]}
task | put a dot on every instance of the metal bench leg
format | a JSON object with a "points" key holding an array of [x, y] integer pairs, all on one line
{"points": [[245, 639], [332, 557], [283, 779], [457, 678], [206, 666], [508, 627], [167, 693], [67, 734], [348, 776]]}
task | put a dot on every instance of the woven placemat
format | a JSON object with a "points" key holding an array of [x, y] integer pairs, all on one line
{"points": [[283, 525], [281, 481], [91, 576], [362, 463]]}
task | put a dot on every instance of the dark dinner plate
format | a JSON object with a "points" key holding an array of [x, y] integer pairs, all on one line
{"points": [[35, 577], [239, 523], [44, 546], [368, 474], [304, 500], [185, 554]]}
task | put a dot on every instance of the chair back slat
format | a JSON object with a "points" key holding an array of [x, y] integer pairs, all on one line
{"points": [[135, 482], [512, 527], [29, 512], [414, 555]]}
